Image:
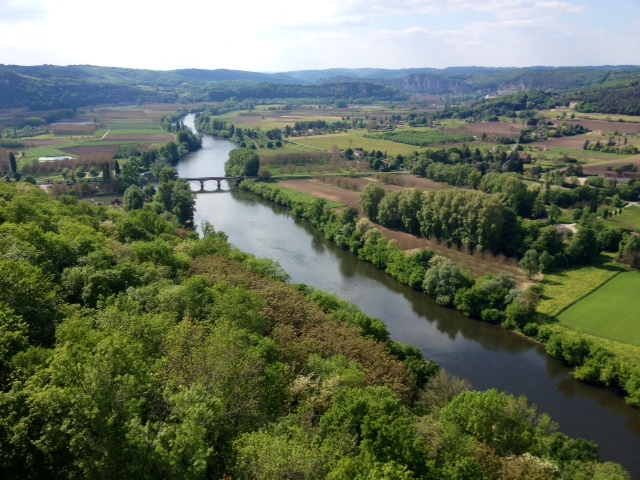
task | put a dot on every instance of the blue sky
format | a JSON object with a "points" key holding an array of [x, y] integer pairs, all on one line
{"points": [[281, 35]]}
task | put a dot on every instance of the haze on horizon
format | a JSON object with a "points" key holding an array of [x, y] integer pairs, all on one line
{"points": [[285, 35]]}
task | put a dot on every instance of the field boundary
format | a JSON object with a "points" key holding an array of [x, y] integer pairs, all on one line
{"points": [[588, 293]]}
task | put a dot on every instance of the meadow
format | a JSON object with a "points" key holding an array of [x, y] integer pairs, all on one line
{"points": [[629, 218], [566, 287], [610, 312], [356, 140]]}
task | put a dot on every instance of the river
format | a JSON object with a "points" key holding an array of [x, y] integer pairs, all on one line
{"points": [[486, 355]]}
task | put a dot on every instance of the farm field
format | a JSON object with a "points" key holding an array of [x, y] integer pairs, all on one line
{"points": [[612, 311], [564, 288], [607, 118], [267, 119], [356, 140], [32, 154], [599, 167], [501, 129]]}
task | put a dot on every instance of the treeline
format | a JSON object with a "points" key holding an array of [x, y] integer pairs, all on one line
{"points": [[494, 299], [349, 91], [146, 352], [422, 138], [57, 93]]}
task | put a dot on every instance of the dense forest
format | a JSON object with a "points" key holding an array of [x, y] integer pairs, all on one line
{"points": [[144, 351]]}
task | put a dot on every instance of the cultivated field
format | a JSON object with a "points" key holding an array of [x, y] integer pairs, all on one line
{"points": [[599, 167], [498, 129], [355, 140], [612, 311], [563, 289], [92, 149]]}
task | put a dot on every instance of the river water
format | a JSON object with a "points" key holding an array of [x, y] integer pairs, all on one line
{"points": [[486, 355]]}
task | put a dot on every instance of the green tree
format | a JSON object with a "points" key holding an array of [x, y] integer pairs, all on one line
{"points": [[370, 199], [134, 198], [12, 163], [506, 423], [530, 263], [584, 246], [629, 251], [242, 162], [444, 279]]}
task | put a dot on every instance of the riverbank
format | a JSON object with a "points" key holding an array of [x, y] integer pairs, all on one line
{"points": [[593, 361]]}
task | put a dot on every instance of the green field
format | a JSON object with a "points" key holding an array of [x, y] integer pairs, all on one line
{"points": [[32, 154], [611, 117], [356, 140], [564, 288], [629, 218], [612, 311]]}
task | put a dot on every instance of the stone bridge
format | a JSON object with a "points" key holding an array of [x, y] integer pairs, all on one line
{"points": [[202, 180]]}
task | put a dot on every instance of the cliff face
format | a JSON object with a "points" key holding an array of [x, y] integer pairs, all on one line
{"points": [[431, 84]]}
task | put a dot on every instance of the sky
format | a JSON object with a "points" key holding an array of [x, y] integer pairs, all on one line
{"points": [[284, 35]]}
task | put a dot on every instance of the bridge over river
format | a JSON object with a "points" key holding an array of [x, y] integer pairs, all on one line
{"points": [[202, 180]]}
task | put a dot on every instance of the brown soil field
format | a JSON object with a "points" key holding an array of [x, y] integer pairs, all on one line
{"points": [[89, 150], [491, 128], [158, 138], [476, 264], [575, 142], [411, 181], [609, 127], [44, 142], [601, 167]]}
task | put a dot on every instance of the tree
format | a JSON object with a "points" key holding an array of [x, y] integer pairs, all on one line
{"points": [[13, 164], [629, 251], [530, 262], [106, 172], [134, 198], [502, 421], [370, 199], [242, 162], [443, 280], [553, 212], [584, 246]]}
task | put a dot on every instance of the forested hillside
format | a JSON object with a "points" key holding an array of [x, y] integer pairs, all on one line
{"points": [[19, 91], [50, 86], [131, 348]]}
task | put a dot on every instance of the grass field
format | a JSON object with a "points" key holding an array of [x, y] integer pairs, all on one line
{"points": [[32, 154], [629, 218], [612, 311], [354, 139], [587, 116], [563, 289], [305, 197]]}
